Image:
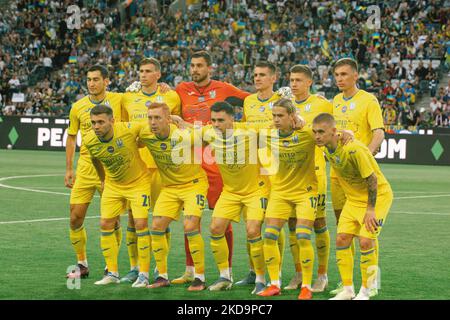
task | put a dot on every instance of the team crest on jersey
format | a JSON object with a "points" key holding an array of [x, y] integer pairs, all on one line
{"points": [[295, 139], [148, 103], [212, 94], [110, 149], [337, 160], [173, 143], [344, 109], [308, 107], [163, 146], [271, 105], [159, 99], [119, 143], [106, 103], [285, 143], [352, 106], [201, 98]]}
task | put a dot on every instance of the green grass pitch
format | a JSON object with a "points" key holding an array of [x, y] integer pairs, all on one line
{"points": [[36, 251]]}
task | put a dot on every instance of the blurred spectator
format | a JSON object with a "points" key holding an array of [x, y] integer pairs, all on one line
{"points": [[435, 104], [440, 119]]}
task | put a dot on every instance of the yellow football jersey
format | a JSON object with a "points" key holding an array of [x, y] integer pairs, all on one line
{"points": [[308, 110], [292, 162], [174, 157], [361, 114], [120, 155], [80, 115], [352, 164], [258, 111], [135, 107], [237, 158]]}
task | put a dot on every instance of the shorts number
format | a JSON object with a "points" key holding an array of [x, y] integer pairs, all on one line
{"points": [[201, 200], [313, 202], [146, 200], [321, 203], [264, 202]]}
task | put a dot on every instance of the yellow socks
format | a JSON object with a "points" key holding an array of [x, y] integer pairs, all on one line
{"points": [[143, 245], [78, 239], [110, 249], [168, 237], [306, 253], [220, 252], [131, 239], [118, 234], [197, 249], [369, 267], [272, 253], [293, 245], [160, 251], [323, 249], [257, 255], [344, 259], [281, 246]]}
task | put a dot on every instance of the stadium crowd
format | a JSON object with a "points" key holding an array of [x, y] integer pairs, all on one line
{"points": [[42, 61]]}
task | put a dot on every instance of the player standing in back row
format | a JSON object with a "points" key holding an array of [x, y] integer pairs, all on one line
{"points": [[196, 99]]}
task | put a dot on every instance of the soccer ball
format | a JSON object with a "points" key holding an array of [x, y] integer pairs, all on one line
{"points": [[9, 147]]}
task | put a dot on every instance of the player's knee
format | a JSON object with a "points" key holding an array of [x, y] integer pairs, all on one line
{"points": [[253, 231], [141, 224], [191, 225], [343, 240], [216, 228], [320, 223], [107, 224], [366, 244], [77, 215], [158, 224]]}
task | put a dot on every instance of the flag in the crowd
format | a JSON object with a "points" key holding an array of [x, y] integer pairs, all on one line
{"points": [[121, 73], [376, 35], [73, 59], [325, 49]]}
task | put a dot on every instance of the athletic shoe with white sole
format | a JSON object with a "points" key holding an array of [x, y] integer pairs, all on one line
{"points": [[294, 284], [141, 282], [221, 284], [320, 284], [130, 277], [345, 294], [108, 279]]}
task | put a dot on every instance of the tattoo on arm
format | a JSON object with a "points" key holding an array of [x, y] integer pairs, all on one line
{"points": [[372, 189]]}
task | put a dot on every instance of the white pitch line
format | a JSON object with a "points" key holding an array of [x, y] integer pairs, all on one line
{"points": [[42, 220], [30, 189]]}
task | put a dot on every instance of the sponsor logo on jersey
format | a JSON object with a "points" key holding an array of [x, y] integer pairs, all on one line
{"points": [[163, 146], [148, 103], [262, 108], [285, 143], [344, 109], [201, 98], [110, 149]]}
